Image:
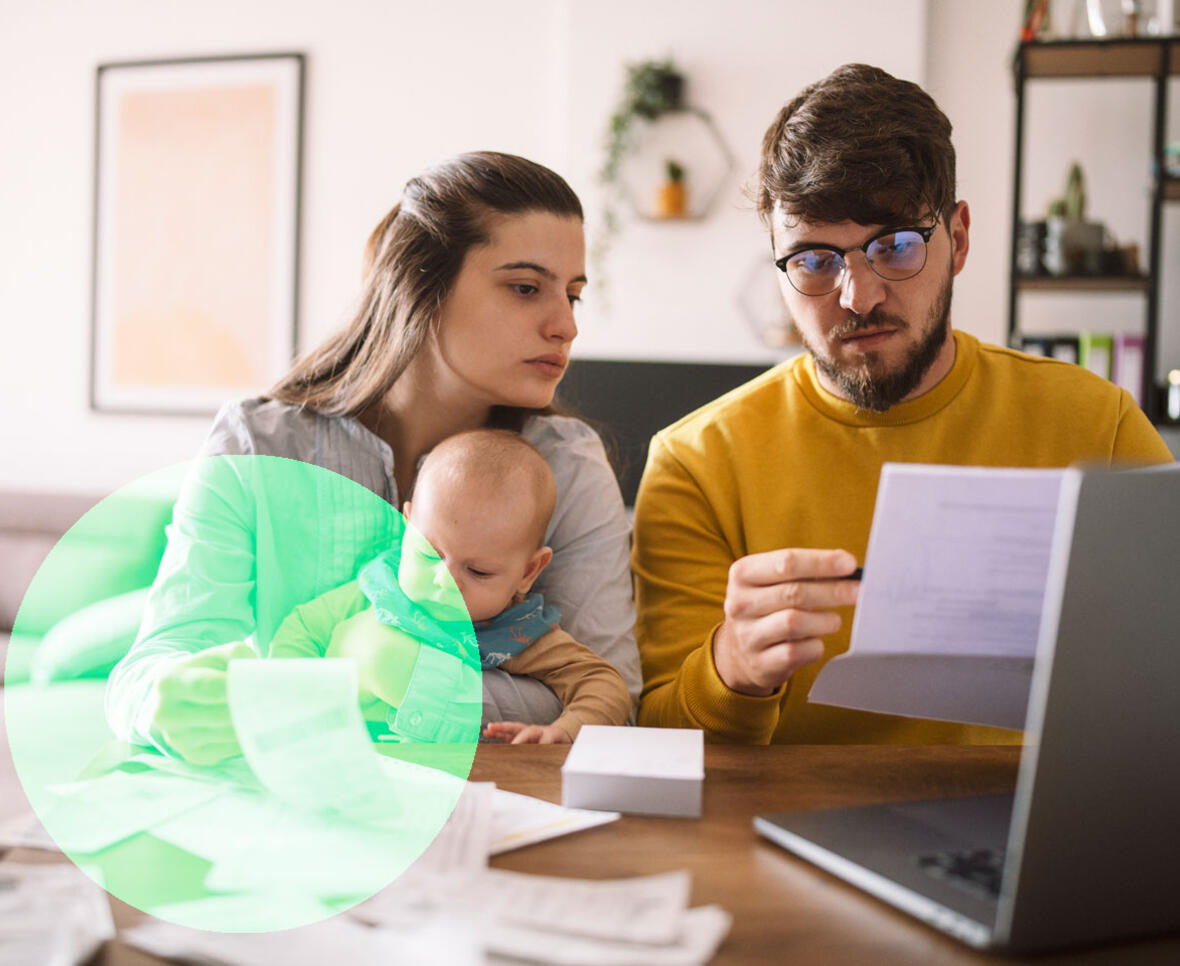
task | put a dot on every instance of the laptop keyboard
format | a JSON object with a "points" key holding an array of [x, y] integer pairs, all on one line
{"points": [[977, 870]]}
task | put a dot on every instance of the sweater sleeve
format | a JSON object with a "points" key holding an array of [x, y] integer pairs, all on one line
{"points": [[592, 691], [203, 594], [681, 562], [307, 630], [1136, 440]]}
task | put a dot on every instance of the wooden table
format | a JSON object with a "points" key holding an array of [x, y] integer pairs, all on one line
{"points": [[784, 909]]}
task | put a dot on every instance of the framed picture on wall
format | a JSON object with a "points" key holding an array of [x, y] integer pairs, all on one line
{"points": [[196, 230]]}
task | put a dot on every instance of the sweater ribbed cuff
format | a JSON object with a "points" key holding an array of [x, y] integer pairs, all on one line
{"points": [[725, 714]]}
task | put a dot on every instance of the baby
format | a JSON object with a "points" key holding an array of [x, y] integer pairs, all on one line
{"points": [[477, 519]]}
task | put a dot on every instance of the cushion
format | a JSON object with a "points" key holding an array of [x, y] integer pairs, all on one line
{"points": [[115, 547], [16, 654], [90, 641]]}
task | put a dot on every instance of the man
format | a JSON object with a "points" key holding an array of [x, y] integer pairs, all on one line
{"points": [[857, 186]]}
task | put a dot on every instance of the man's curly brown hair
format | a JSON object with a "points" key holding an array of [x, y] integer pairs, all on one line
{"points": [[859, 145]]}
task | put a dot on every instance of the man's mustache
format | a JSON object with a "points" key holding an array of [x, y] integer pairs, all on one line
{"points": [[853, 323]]}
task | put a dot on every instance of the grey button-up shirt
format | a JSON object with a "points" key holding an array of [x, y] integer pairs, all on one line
{"points": [[589, 577]]}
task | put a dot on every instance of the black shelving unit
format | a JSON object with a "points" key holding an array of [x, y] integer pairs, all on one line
{"points": [[1156, 58]]}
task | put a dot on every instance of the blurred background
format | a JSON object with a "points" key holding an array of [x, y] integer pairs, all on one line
{"points": [[391, 87]]}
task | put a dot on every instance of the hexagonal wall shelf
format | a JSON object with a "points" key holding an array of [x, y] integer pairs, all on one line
{"points": [[689, 139], [761, 304]]}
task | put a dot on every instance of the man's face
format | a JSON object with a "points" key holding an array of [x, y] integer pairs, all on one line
{"points": [[876, 342]]}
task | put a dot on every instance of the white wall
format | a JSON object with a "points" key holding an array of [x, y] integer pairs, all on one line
{"points": [[673, 287], [393, 85]]}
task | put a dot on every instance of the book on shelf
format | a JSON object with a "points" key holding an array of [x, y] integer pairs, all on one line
{"points": [[1128, 364], [1095, 352], [1063, 347], [1118, 358]]}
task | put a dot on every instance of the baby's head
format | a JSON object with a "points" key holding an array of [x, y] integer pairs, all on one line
{"points": [[482, 501]]}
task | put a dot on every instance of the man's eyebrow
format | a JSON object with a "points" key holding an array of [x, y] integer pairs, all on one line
{"points": [[539, 269]]}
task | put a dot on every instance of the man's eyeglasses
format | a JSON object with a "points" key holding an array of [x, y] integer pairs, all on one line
{"points": [[896, 254]]}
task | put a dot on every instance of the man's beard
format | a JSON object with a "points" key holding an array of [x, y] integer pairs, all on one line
{"points": [[878, 391]]}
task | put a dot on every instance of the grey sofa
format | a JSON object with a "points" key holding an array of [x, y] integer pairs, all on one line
{"points": [[73, 573]]}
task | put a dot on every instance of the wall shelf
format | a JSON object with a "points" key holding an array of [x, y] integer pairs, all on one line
{"points": [[1155, 59], [1140, 57], [690, 137], [1083, 283]]}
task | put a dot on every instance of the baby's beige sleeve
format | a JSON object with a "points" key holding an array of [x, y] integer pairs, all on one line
{"points": [[591, 690]]}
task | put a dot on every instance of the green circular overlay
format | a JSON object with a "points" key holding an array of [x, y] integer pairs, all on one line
{"points": [[275, 731]]}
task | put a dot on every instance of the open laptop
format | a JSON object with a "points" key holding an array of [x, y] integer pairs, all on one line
{"points": [[1088, 847]]}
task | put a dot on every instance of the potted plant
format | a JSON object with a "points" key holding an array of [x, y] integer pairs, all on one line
{"points": [[1073, 246], [672, 197], [652, 88]]}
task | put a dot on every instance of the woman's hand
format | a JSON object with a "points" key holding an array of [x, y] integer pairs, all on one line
{"points": [[519, 733], [777, 609], [192, 713]]}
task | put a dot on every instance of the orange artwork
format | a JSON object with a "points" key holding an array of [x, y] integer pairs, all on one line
{"points": [[194, 297]]}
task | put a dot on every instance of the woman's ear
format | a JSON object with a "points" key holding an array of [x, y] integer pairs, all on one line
{"points": [[537, 562]]}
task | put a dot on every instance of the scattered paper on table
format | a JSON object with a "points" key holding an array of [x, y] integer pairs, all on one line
{"points": [[50, 914], [449, 866], [90, 815], [645, 909], [25, 831], [702, 931], [338, 940], [519, 820]]}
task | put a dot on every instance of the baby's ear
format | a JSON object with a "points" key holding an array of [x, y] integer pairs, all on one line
{"points": [[537, 562]]}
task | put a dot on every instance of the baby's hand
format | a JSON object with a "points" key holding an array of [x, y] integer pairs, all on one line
{"points": [[518, 733]]}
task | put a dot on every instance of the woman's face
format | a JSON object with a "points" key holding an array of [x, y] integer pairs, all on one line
{"points": [[505, 330]]}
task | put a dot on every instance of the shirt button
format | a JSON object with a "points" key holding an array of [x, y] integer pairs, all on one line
{"points": [[416, 718]]}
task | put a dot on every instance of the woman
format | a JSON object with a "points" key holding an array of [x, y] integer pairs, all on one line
{"points": [[465, 319]]}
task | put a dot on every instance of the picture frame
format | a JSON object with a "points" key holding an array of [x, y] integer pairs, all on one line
{"points": [[198, 164]]}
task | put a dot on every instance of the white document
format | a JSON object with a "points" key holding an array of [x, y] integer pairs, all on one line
{"points": [[25, 831], [519, 820], [338, 940], [92, 814], [302, 733], [645, 909], [949, 611], [702, 930], [449, 867], [655, 771], [50, 914]]}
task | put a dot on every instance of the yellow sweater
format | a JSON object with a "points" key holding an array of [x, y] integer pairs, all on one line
{"points": [[780, 462]]}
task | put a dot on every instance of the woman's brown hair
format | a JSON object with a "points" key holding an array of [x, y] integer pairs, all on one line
{"points": [[411, 261]]}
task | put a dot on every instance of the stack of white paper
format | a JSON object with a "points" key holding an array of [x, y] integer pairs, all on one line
{"points": [[653, 771]]}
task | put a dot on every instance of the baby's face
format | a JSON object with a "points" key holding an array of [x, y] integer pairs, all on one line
{"points": [[487, 547]]}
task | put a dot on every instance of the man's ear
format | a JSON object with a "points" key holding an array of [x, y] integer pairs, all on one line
{"points": [[957, 228], [406, 509], [537, 562]]}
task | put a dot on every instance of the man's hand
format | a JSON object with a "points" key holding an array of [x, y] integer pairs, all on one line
{"points": [[518, 733], [776, 610], [192, 715]]}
